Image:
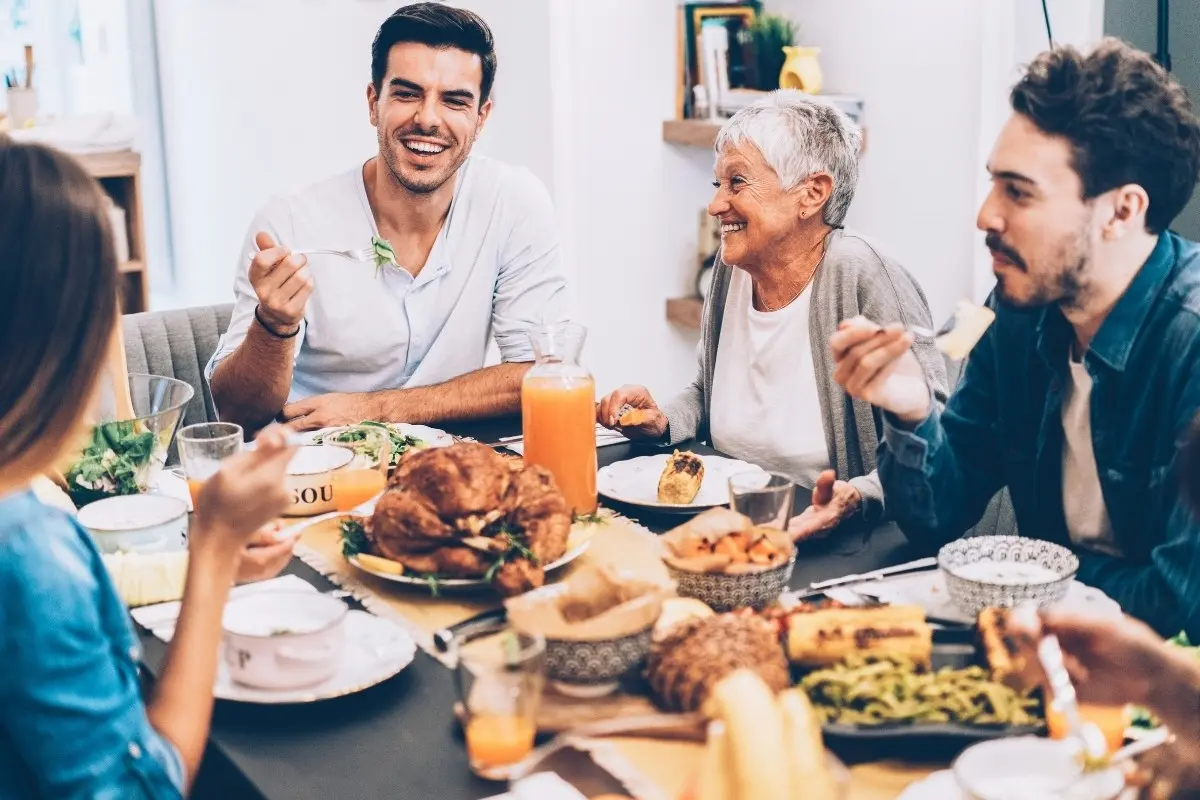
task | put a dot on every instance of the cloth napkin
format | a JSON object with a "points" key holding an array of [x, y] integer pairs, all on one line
{"points": [[160, 618]]}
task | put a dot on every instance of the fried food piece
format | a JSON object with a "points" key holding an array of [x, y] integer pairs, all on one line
{"points": [[517, 577], [828, 637], [681, 478], [463, 480], [632, 417], [1005, 649], [405, 522]]}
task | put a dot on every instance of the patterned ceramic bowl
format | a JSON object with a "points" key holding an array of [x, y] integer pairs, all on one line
{"points": [[594, 668], [1006, 571], [724, 592]]}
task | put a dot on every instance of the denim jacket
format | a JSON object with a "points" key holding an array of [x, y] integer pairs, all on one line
{"points": [[1003, 427], [72, 722]]}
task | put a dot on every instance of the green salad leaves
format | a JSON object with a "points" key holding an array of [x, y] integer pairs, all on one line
{"points": [[384, 254], [115, 462]]}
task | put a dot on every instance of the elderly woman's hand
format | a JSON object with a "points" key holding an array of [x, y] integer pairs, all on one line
{"points": [[832, 502], [633, 412]]}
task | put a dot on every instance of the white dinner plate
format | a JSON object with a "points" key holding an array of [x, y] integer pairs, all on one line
{"points": [[577, 545], [432, 437], [375, 650], [928, 590], [939, 785], [635, 482]]}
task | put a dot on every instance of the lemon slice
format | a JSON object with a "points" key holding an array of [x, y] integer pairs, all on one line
{"points": [[377, 564]]}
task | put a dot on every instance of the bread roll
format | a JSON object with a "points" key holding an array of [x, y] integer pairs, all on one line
{"points": [[681, 478], [821, 638]]}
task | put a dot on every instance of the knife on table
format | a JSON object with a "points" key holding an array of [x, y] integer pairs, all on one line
{"points": [[445, 639]]}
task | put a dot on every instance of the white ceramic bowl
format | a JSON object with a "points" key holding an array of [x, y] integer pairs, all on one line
{"points": [[310, 478], [1031, 768], [1005, 572], [137, 523], [283, 640]]}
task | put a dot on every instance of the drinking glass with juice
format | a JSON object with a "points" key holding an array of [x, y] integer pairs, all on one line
{"points": [[366, 475], [558, 413], [500, 674], [202, 448], [1111, 720]]}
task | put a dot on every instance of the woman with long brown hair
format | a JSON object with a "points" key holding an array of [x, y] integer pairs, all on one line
{"points": [[72, 720]]}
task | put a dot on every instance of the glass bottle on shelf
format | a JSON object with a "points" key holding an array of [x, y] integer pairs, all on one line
{"points": [[558, 413]]}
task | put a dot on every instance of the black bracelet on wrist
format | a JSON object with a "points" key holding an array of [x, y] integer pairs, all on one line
{"points": [[271, 330]]}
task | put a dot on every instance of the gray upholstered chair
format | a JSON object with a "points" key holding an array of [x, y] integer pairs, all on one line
{"points": [[999, 517], [178, 344]]}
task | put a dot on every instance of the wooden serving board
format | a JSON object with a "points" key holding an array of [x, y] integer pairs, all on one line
{"points": [[559, 713]]}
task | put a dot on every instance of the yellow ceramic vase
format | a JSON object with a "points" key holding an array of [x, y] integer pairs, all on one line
{"points": [[801, 70]]}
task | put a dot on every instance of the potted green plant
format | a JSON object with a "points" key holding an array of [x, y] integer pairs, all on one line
{"points": [[772, 33]]}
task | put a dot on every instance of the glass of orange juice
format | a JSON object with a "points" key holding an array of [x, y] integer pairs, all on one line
{"points": [[1111, 720], [500, 673], [203, 447], [558, 413], [366, 475]]}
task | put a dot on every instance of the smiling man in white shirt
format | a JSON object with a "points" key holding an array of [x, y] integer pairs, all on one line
{"points": [[323, 340]]}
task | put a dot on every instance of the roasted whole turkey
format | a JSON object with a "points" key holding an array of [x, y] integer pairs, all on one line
{"points": [[465, 511]]}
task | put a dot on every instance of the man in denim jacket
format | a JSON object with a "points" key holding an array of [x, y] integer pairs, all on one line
{"points": [[1076, 396]]}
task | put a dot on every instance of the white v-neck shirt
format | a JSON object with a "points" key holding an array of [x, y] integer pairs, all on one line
{"points": [[765, 406], [494, 270]]}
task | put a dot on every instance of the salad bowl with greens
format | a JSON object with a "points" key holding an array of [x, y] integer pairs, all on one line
{"points": [[124, 456]]}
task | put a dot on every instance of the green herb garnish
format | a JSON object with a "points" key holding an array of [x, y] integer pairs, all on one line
{"points": [[354, 538], [433, 581], [384, 254], [115, 462], [595, 518]]}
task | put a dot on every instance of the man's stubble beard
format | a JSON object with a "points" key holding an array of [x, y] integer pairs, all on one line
{"points": [[390, 159]]}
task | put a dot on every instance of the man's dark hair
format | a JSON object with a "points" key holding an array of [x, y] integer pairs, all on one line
{"points": [[439, 26], [1126, 119]]}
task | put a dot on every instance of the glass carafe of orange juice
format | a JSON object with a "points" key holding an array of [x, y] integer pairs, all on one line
{"points": [[558, 413]]}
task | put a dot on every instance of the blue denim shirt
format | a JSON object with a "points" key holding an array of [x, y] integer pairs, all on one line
{"points": [[72, 722], [1003, 427]]}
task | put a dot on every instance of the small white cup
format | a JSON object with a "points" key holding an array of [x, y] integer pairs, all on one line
{"points": [[22, 107]]}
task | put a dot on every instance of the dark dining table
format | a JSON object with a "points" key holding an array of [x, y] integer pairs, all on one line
{"points": [[399, 739]]}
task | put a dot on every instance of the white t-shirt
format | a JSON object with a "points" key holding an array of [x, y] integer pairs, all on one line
{"points": [[1083, 500], [493, 271], [765, 407]]}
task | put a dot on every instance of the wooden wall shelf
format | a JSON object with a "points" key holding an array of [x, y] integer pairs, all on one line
{"points": [[690, 132], [702, 133], [685, 312], [120, 173]]}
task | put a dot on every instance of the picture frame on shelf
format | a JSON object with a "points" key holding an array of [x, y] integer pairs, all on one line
{"points": [[715, 51]]}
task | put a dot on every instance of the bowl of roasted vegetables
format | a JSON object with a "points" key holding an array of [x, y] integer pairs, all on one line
{"points": [[725, 561], [124, 456]]}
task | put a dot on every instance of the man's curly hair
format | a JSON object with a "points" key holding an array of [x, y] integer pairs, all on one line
{"points": [[1127, 120]]}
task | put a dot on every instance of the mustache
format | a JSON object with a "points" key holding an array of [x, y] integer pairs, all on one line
{"points": [[431, 133], [997, 245]]}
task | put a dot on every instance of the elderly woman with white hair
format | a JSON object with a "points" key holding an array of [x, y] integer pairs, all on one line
{"points": [[787, 274]]}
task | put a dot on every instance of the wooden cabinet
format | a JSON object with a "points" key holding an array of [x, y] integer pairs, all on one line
{"points": [[120, 175]]}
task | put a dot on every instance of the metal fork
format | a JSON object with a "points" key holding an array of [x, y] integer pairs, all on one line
{"points": [[364, 254]]}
